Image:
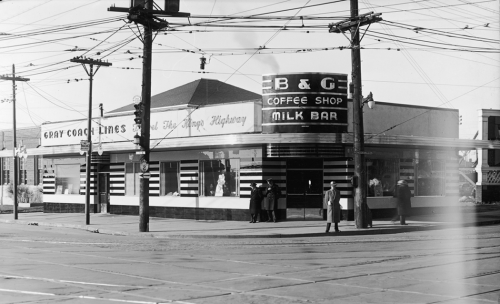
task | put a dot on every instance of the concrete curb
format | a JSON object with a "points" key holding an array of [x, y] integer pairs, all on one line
{"points": [[367, 231]]}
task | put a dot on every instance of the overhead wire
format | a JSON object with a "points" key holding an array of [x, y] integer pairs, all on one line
{"points": [[414, 63]]}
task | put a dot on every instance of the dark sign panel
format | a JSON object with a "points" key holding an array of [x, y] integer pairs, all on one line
{"points": [[304, 103]]}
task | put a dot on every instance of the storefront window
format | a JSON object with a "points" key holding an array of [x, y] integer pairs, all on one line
{"points": [[132, 185], [68, 179], [5, 170], [220, 177], [430, 177], [169, 178], [382, 176]]}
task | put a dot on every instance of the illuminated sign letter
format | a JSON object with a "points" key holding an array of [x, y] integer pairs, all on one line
{"points": [[280, 84], [328, 83]]}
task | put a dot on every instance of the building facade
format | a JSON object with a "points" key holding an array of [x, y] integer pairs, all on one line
{"points": [[210, 140]]}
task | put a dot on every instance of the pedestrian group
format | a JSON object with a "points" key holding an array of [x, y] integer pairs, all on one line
{"points": [[266, 199]]}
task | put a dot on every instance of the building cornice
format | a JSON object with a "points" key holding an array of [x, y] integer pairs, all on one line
{"points": [[253, 139]]}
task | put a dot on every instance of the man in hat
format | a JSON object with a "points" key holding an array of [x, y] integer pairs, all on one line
{"points": [[273, 193], [255, 201], [332, 204], [403, 201]]}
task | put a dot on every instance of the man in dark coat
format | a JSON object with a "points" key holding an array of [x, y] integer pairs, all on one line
{"points": [[255, 202], [403, 201], [272, 194], [332, 204]]}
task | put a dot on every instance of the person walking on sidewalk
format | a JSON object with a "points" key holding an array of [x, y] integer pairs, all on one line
{"points": [[332, 204], [255, 202], [403, 201]]}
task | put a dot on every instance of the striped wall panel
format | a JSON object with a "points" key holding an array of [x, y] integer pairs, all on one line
{"points": [[117, 179], [407, 172], [269, 168], [154, 181], [452, 178], [250, 174], [49, 184], [339, 170], [189, 173], [93, 179]]}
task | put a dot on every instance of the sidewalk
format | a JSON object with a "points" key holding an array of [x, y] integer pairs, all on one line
{"points": [[127, 225]]}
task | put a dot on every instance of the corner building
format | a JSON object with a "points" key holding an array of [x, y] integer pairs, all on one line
{"points": [[210, 140]]}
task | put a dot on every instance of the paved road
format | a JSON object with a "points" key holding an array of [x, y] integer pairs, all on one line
{"points": [[60, 265]]}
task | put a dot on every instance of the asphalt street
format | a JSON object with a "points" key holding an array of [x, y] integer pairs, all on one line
{"points": [[59, 265]]}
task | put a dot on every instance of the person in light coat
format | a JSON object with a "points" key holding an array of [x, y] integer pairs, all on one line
{"points": [[332, 204]]}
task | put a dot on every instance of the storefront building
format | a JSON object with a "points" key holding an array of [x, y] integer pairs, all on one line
{"points": [[210, 140]]}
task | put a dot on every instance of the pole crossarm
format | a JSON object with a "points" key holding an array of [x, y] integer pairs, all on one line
{"points": [[149, 11], [13, 78], [90, 61], [361, 20]]}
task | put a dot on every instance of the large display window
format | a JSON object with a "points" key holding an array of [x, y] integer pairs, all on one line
{"points": [[220, 177], [382, 176], [67, 179], [430, 177]]}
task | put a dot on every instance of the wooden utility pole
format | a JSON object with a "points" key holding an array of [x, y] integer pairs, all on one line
{"points": [[147, 55], [14, 138], [142, 12], [90, 73], [353, 25]]}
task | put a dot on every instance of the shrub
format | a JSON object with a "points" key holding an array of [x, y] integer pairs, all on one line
{"points": [[27, 193]]}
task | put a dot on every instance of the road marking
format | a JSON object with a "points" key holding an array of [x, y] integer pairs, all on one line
{"points": [[28, 292], [65, 281], [90, 297]]}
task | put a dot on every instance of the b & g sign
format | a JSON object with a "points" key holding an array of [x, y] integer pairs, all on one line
{"points": [[304, 103]]}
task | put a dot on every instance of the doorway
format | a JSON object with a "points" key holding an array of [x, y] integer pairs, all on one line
{"points": [[304, 194], [103, 193]]}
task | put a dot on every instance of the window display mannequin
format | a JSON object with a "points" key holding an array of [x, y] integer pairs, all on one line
{"points": [[219, 190]]}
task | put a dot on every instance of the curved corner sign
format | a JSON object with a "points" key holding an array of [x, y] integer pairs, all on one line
{"points": [[304, 103]]}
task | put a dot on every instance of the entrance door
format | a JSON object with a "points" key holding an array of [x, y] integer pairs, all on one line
{"points": [[103, 192], [304, 194]]}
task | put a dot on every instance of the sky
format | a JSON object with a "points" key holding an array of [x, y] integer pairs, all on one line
{"points": [[434, 53]]}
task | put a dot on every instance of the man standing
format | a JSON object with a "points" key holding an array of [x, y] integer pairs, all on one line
{"points": [[332, 204], [273, 194], [255, 201]]}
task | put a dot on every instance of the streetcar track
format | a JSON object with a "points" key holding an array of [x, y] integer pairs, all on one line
{"points": [[463, 252]]}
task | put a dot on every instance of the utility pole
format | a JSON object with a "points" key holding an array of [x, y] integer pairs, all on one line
{"points": [[142, 12], [14, 139], [359, 180], [90, 73]]}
